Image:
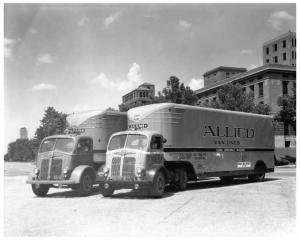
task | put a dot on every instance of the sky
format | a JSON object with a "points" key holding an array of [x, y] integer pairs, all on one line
{"points": [[77, 57]]}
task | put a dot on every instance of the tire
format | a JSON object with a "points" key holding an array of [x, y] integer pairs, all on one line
{"points": [[85, 186], [107, 192], [40, 190], [158, 187], [182, 182], [258, 176], [226, 179]]}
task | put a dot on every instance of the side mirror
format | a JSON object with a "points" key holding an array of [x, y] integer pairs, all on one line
{"points": [[165, 140]]}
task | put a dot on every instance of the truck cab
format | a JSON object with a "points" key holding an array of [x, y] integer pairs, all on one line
{"points": [[64, 161], [135, 159]]}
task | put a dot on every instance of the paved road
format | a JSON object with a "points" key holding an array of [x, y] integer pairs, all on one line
{"points": [[207, 208]]}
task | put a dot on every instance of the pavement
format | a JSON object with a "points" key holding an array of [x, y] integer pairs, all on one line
{"points": [[207, 208]]}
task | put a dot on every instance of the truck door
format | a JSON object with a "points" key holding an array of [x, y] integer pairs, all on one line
{"points": [[156, 149], [84, 152]]}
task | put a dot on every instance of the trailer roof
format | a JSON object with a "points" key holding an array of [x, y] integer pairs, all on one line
{"points": [[80, 117], [145, 110]]}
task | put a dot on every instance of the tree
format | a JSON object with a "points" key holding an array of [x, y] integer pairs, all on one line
{"points": [[176, 92], [20, 150], [232, 97], [287, 114], [53, 122]]}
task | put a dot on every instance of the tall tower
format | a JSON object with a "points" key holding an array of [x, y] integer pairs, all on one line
{"points": [[23, 133]]}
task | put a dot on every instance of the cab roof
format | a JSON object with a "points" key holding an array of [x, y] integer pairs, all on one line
{"points": [[146, 133]]}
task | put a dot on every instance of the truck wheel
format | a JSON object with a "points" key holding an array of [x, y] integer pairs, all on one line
{"points": [[182, 182], [158, 187], [258, 176], [226, 179], [40, 190], [107, 192], [86, 184]]}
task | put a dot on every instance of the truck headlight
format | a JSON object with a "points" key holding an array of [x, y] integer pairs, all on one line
{"points": [[105, 171], [140, 172], [65, 172], [36, 171]]}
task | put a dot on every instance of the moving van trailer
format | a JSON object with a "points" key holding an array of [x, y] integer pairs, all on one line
{"points": [[172, 144], [73, 160]]}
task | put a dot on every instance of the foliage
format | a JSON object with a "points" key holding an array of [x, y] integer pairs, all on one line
{"points": [[53, 122], [176, 92], [232, 97], [20, 150], [287, 114]]}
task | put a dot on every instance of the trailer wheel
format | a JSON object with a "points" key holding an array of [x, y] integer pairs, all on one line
{"points": [[40, 190], [85, 186], [182, 182], [226, 179], [158, 187]]}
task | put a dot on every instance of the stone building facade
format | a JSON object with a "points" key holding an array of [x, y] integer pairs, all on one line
{"points": [[144, 94], [281, 50]]}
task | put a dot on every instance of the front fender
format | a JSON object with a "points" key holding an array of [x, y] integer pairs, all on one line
{"points": [[78, 171], [150, 173]]}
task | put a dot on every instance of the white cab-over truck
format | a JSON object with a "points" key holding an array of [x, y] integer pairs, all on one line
{"points": [[74, 159], [173, 144]]}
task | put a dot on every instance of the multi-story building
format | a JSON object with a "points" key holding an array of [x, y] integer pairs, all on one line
{"points": [[144, 94], [217, 74], [281, 50]]}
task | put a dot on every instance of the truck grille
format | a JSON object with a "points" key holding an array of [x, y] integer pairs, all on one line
{"points": [[55, 171], [128, 170], [56, 166], [115, 166], [44, 169]]}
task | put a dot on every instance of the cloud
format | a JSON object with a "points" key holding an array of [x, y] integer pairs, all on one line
{"points": [[8, 45], [184, 25], [110, 19], [134, 79], [196, 84], [252, 66], [45, 58], [278, 18], [83, 21], [33, 30], [42, 87], [246, 51], [80, 108]]}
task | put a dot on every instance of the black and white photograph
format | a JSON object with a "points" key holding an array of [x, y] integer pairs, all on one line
{"points": [[149, 120]]}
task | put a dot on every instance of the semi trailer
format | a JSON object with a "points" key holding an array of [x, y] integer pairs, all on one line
{"points": [[173, 144], [74, 158]]}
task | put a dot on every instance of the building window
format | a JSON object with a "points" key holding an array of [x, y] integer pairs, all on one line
{"points": [[275, 59], [267, 60], [284, 56], [267, 50], [292, 54], [285, 87], [227, 74], [275, 47], [261, 89], [284, 43], [251, 88], [141, 94]]}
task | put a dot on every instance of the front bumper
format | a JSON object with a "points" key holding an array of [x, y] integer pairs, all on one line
{"points": [[31, 180], [115, 184]]}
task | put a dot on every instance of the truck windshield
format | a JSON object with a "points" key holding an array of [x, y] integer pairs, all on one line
{"points": [[132, 141], [57, 144]]}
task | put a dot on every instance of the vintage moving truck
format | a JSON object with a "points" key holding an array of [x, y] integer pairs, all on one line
{"points": [[73, 160], [172, 144]]}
